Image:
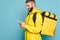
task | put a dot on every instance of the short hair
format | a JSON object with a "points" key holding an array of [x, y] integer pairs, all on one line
{"points": [[30, 1]]}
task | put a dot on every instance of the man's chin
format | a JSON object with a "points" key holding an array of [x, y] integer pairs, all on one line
{"points": [[30, 10]]}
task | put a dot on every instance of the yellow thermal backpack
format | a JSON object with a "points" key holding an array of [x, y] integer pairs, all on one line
{"points": [[48, 23]]}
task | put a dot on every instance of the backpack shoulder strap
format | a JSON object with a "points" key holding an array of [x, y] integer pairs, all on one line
{"points": [[34, 17], [43, 14]]}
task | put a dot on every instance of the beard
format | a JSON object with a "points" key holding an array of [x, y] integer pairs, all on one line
{"points": [[30, 9]]}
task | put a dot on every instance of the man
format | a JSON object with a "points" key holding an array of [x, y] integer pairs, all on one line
{"points": [[32, 25]]}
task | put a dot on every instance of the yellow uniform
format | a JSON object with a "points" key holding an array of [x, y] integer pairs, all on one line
{"points": [[32, 30]]}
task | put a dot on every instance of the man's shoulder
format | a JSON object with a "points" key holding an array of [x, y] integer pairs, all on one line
{"points": [[38, 10]]}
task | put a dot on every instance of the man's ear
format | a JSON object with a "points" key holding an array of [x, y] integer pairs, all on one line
{"points": [[32, 4]]}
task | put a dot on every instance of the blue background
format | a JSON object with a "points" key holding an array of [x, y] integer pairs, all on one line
{"points": [[13, 10]]}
